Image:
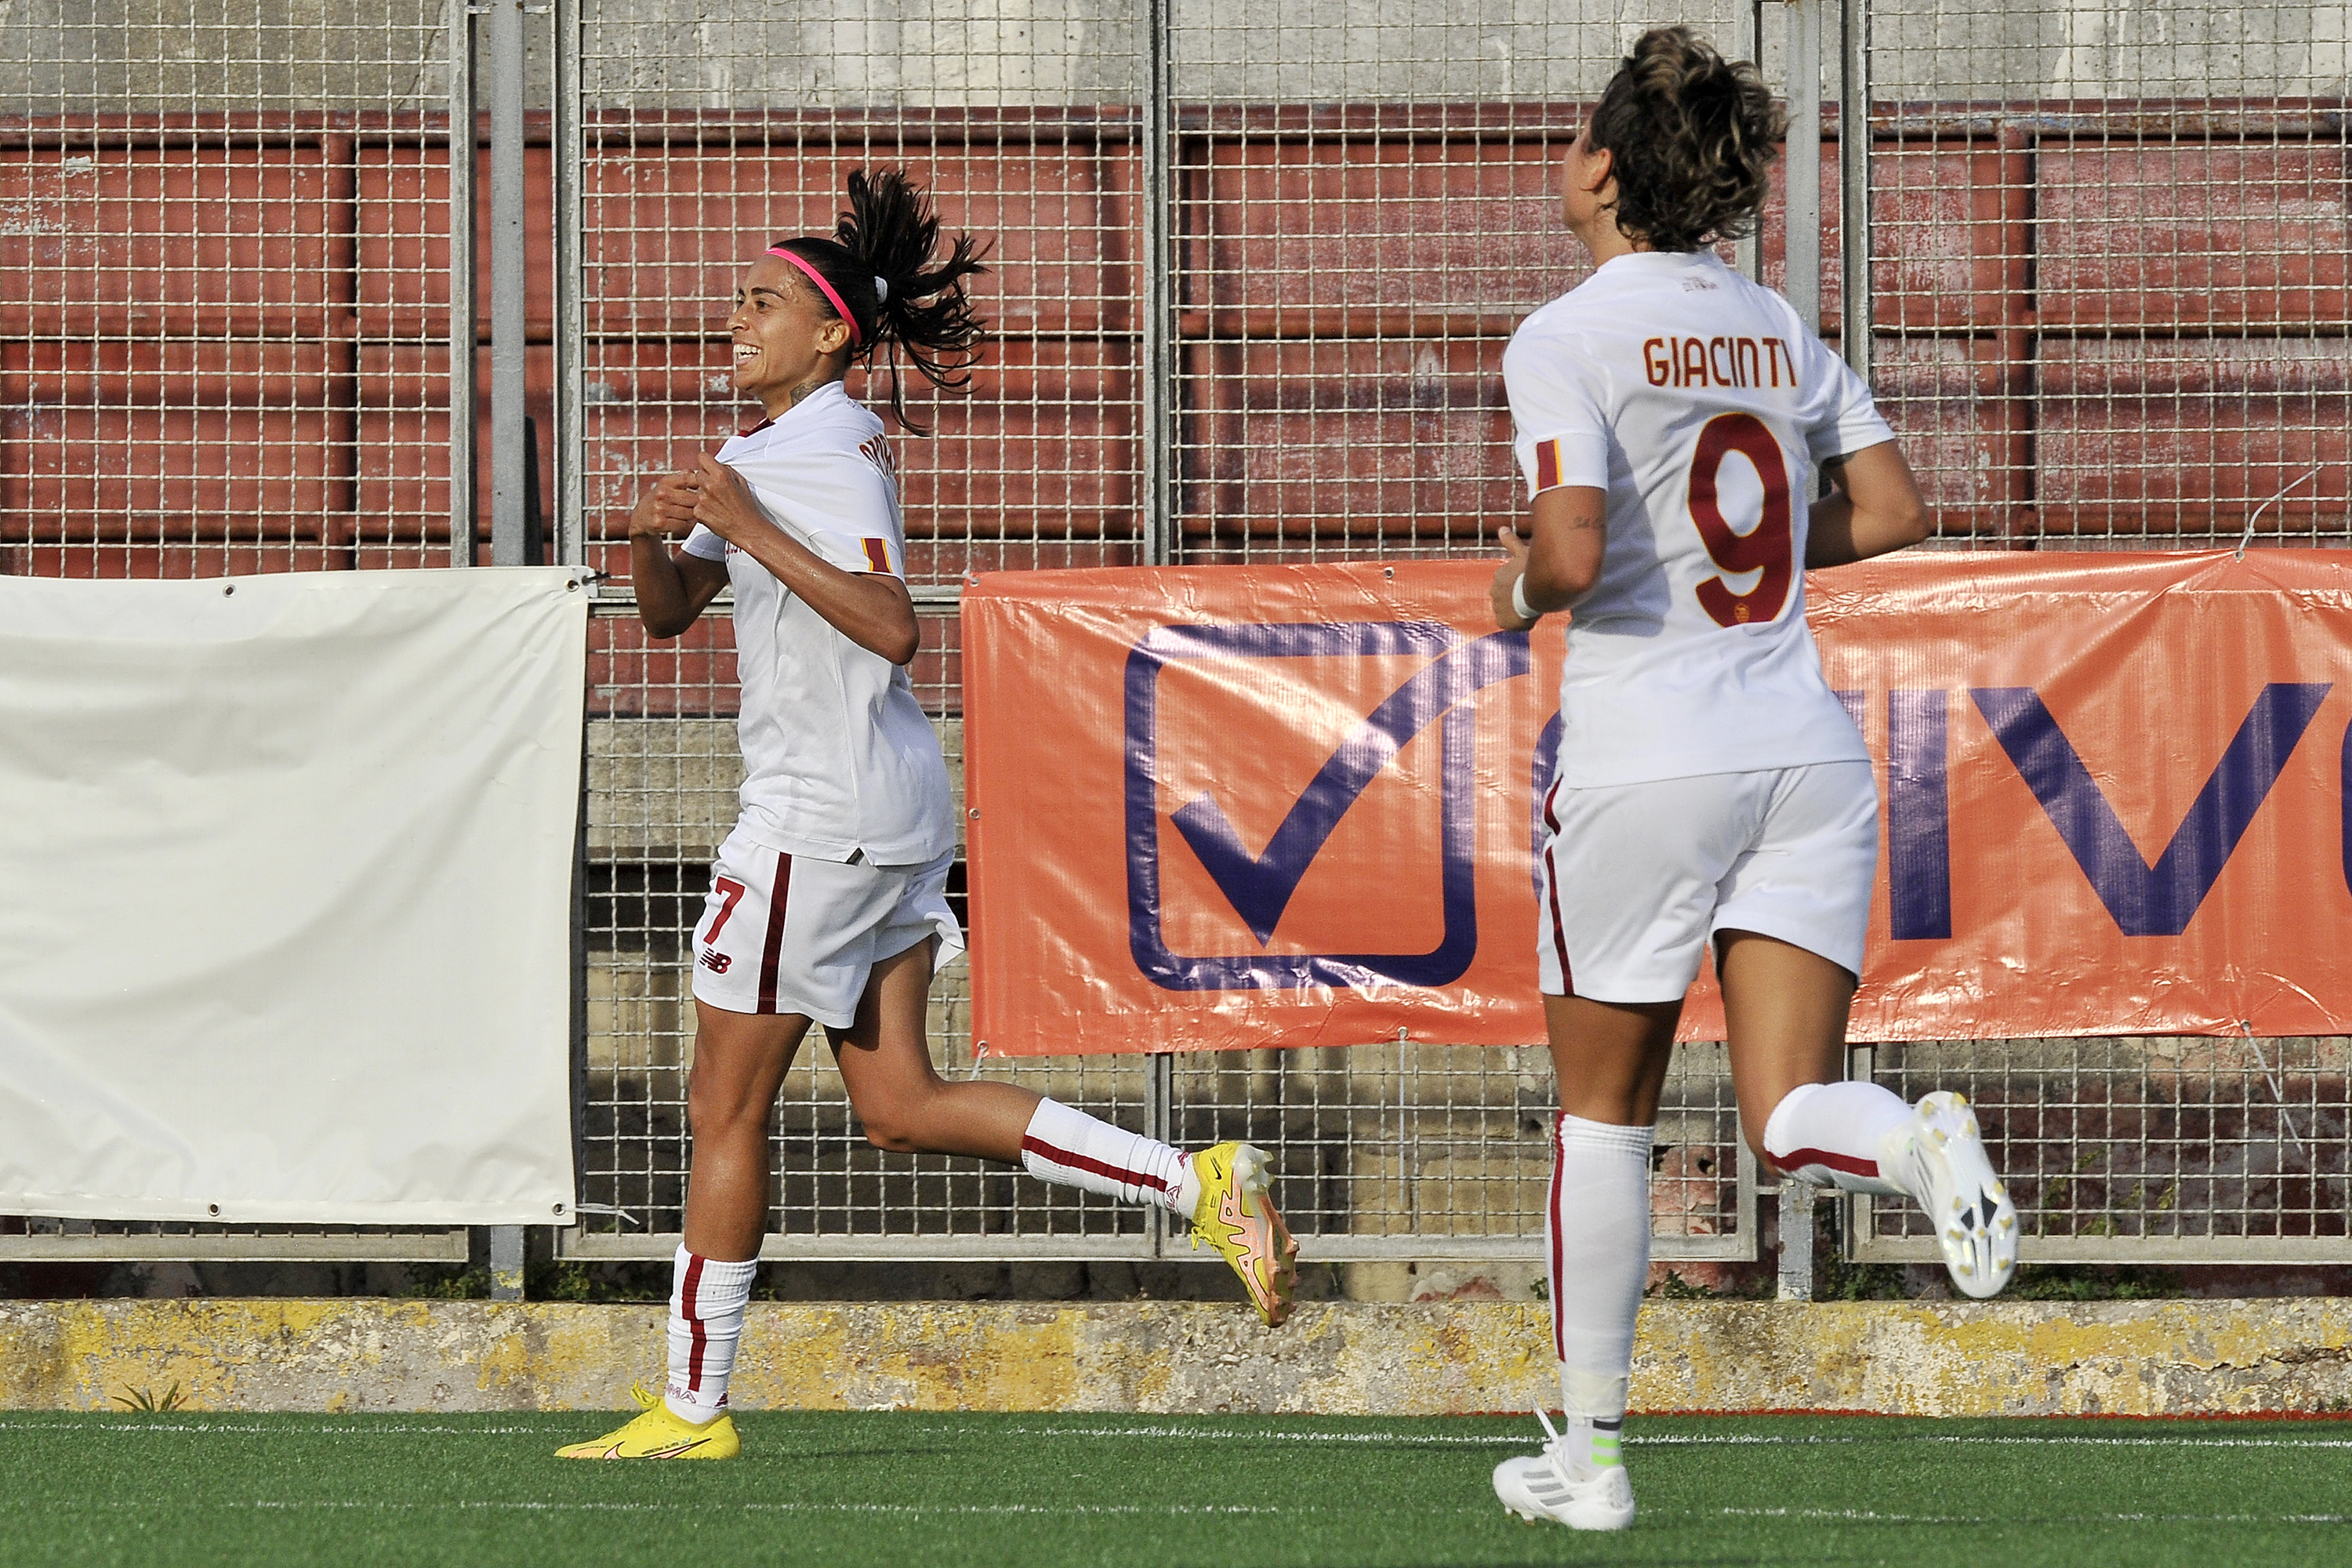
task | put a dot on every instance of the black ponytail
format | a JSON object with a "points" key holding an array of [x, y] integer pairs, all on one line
{"points": [[879, 262]]}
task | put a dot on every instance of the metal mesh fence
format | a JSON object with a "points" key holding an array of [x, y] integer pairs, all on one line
{"points": [[692, 157], [1253, 271], [1352, 214], [2111, 260], [2212, 1150], [2111, 284], [1364, 208], [224, 236], [696, 148], [1407, 1150]]}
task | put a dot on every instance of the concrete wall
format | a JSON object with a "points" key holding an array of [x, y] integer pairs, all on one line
{"points": [[153, 55], [2174, 1358]]}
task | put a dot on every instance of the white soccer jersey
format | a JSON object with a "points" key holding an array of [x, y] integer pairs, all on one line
{"points": [[840, 760], [1700, 403]]}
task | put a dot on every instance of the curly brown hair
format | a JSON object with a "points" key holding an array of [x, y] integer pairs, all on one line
{"points": [[1691, 137]]}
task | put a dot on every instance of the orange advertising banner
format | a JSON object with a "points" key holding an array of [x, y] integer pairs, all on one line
{"points": [[1225, 808]]}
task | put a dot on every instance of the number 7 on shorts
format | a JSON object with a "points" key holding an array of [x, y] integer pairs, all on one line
{"points": [[731, 893]]}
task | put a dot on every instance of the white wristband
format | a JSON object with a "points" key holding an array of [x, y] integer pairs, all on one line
{"points": [[1519, 605]]}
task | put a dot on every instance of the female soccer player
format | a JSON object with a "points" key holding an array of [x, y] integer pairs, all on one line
{"points": [[1710, 787], [828, 902]]}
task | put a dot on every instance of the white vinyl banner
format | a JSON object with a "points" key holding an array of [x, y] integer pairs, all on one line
{"points": [[285, 896]]}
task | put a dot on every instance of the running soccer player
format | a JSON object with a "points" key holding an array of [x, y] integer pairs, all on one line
{"points": [[1710, 788], [828, 902]]}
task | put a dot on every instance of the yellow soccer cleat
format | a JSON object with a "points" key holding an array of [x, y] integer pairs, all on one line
{"points": [[661, 1434], [1236, 1216]]}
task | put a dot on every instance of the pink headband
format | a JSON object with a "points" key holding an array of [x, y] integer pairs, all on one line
{"points": [[826, 289]]}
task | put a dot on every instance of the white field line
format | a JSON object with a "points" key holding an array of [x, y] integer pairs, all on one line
{"points": [[1735, 1440], [1068, 1510], [1867, 1516], [1672, 1440], [703, 1505], [133, 1426]]}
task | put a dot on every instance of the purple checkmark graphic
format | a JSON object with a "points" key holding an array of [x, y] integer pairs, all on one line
{"points": [[1260, 887]]}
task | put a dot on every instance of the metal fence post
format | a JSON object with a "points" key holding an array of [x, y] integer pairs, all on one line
{"points": [[1748, 45], [1802, 247], [506, 1263], [1746, 1187], [1857, 1218], [1157, 417], [1158, 350], [1804, 208], [1159, 1122], [571, 545], [510, 450], [1796, 1273], [571, 392], [464, 148], [1854, 313]]}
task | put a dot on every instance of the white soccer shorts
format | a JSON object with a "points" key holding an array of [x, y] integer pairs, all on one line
{"points": [[788, 933], [1635, 879]]}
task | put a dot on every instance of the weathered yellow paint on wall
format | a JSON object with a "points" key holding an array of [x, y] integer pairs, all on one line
{"points": [[2114, 1358], [918, 1355], [2118, 1358], [200, 1348]]}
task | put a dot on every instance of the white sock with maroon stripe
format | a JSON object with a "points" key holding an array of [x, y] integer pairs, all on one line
{"points": [[1078, 1151], [1597, 1233], [706, 1321], [1830, 1133]]}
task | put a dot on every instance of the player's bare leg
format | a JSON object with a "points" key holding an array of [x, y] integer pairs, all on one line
{"points": [[901, 1098], [1221, 1193], [1610, 1058], [1785, 1010], [740, 1062]]}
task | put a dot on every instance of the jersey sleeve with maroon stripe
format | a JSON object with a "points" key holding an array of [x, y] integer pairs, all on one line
{"points": [[1561, 436], [1699, 403]]}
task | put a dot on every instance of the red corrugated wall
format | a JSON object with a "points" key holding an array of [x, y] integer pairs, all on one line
{"points": [[221, 339]]}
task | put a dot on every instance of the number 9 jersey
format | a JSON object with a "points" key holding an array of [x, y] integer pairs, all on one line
{"points": [[1701, 405]]}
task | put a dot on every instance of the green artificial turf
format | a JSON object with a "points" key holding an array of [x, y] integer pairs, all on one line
{"points": [[896, 1490]]}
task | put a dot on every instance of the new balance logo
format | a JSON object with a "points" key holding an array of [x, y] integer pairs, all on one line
{"points": [[714, 961]]}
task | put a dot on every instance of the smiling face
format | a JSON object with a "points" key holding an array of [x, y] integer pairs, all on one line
{"points": [[787, 341]]}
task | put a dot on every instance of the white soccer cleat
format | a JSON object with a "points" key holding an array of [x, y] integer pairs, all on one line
{"points": [[1941, 1159], [1565, 1487]]}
